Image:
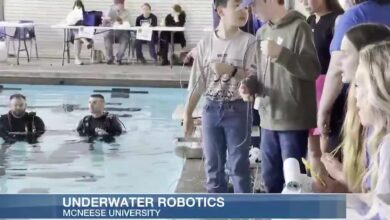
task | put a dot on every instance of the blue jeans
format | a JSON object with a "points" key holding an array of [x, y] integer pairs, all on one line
{"points": [[111, 37], [226, 136], [255, 141], [277, 146], [152, 49]]}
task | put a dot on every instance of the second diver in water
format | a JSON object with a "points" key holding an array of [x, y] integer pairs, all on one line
{"points": [[99, 124]]}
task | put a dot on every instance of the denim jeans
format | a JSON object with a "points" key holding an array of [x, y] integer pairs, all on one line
{"points": [[111, 37], [152, 49], [226, 129], [276, 147]]}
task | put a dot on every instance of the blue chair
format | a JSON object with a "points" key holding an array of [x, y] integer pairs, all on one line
{"points": [[23, 35]]}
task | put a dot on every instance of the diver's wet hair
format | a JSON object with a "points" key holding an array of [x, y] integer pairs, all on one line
{"points": [[97, 96], [17, 96]]}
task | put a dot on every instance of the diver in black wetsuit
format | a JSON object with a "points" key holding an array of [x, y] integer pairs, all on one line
{"points": [[19, 125], [99, 123]]}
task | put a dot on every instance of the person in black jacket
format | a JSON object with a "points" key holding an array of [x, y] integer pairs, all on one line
{"points": [[175, 19], [150, 20], [19, 125], [99, 123]]}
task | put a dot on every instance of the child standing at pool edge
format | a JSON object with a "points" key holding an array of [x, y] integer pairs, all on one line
{"points": [[287, 70], [218, 70]]}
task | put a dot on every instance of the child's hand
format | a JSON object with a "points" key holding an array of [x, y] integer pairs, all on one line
{"points": [[270, 48], [244, 93], [222, 68], [318, 167], [333, 166], [189, 126], [332, 186]]}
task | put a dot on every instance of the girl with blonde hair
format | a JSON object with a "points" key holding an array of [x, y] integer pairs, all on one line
{"points": [[366, 166], [373, 103], [348, 176], [372, 86]]}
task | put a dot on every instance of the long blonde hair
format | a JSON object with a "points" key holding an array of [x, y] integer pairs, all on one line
{"points": [[352, 145], [377, 80]]}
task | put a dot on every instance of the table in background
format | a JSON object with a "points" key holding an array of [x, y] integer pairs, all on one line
{"points": [[13, 24], [102, 29]]}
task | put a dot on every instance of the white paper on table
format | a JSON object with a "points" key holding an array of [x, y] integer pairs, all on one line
{"points": [[144, 33], [86, 32]]}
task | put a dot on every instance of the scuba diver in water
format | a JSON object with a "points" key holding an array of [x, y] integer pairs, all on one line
{"points": [[19, 125], [99, 124]]}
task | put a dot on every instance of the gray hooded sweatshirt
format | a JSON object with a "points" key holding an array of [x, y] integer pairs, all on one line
{"points": [[287, 83]]}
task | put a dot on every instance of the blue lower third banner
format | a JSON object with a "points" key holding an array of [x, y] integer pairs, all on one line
{"points": [[173, 206]]}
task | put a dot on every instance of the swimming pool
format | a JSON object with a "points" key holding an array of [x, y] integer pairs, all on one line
{"points": [[141, 161]]}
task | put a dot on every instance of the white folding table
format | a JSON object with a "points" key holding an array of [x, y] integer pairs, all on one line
{"points": [[101, 29], [13, 24]]}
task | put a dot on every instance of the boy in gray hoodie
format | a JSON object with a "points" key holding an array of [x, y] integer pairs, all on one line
{"points": [[287, 67]]}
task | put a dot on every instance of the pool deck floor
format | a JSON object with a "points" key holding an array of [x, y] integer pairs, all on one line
{"points": [[193, 178], [45, 71]]}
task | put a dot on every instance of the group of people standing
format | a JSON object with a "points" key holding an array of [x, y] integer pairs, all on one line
{"points": [[301, 71], [118, 15]]}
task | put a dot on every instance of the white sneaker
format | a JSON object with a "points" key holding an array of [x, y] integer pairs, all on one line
{"points": [[254, 157], [78, 62]]}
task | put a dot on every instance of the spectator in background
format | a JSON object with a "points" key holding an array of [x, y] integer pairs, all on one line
{"points": [[331, 108], [177, 18], [150, 20], [116, 16], [349, 173], [76, 17], [322, 22]]}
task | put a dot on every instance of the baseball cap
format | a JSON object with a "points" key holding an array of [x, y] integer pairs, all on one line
{"points": [[246, 3]]}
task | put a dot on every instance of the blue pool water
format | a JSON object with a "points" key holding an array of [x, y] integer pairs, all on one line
{"points": [[141, 161]]}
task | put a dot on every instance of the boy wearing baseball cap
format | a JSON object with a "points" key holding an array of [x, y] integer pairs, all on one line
{"points": [[287, 66]]}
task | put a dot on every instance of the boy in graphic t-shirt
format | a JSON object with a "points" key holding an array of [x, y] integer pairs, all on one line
{"points": [[223, 60]]}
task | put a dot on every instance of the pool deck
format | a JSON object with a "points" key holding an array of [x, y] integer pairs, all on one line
{"points": [[47, 71], [193, 178]]}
